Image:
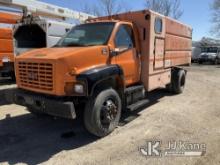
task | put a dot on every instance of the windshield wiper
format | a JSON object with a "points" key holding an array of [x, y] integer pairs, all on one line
{"points": [[91, 45], [57, 46], [75, 44]]}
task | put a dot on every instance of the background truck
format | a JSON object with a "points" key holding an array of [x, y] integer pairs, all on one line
{"points": [[38, 32], [210, 54], [31, 33], [41, 25], [6, 43], [107, 65]]}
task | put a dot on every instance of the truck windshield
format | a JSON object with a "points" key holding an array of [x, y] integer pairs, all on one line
{"points": [[90, 34]]}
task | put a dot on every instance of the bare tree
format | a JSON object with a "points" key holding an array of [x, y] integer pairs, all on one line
{"points": [[177, 12], [215, 7], [166, 7], [91, 9], [106, 7], [110, 6]]}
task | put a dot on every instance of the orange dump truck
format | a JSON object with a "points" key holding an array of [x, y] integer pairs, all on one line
{"points": [[6, 44], [105, 66]]}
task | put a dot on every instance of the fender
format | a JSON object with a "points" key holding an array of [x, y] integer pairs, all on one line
{"points": [[94, 76]]}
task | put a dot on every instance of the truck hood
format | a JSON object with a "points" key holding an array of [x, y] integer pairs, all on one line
{"points": [[54, 53], [74, 58]]}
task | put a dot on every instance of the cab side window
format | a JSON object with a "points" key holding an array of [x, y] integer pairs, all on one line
{"points": [[124, 38]]}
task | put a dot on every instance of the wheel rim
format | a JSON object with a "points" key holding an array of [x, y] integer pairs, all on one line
{"points": [[109, 112]]}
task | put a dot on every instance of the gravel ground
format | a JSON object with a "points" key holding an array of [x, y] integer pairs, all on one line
{"points": [[193, 116]]}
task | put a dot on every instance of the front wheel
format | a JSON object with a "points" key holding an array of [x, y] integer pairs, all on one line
{"points": [[103, 112], [215, 62]]}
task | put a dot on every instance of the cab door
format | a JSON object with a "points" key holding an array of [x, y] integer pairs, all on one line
{"points": [[128, 58]]}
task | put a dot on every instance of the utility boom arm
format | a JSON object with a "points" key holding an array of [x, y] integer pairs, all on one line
{"points": [[44, 9]]}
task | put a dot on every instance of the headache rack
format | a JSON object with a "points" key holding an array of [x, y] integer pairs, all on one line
{"points": [[36, 75]]}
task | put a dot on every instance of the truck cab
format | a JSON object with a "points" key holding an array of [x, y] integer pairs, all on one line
{"points": [[117, 42], [105, 66]]}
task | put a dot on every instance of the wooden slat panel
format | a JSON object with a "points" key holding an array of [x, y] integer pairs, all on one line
{"points": [[5, 33], [177, 43], [6, 46], [176, 28], [9, 18]]}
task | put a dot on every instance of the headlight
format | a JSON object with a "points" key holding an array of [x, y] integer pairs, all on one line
{"points": [[79, 88], [75, 89], [5, 59], [212, 57]]}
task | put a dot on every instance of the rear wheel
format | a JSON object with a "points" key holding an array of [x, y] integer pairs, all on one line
{"points": [[178, 81], [103, 112]]}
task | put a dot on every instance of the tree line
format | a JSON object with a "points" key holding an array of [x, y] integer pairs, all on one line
{"points": [[171, 8]]}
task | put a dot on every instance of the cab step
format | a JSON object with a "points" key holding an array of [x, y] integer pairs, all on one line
{"points": [[137, 105], [134, 94]]}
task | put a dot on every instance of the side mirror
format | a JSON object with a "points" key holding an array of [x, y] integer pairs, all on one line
{"points": [[114, 52]]}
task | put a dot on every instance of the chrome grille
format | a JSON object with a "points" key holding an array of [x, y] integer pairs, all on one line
{"points": [[36, 75]]}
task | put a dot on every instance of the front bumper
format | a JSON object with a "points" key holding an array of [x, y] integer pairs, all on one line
{"points": [[7, 69], [206, 59], [45, 104]]}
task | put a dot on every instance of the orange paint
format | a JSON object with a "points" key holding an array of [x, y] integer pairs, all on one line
{"points": [[6, 37]]}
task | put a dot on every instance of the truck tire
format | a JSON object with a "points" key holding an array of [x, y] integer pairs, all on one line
{"points": [[215, 62], [102, 112], [12, 75], [200, 62], [178, 81]]}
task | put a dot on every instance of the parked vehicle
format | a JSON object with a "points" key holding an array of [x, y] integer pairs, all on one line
{"points": [[210, 54], [38, 32], [196, 51], [40, 26], [6, 43], [106, 64]]}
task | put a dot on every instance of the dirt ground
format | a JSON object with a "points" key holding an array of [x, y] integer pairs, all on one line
{"points": [[193, 116]]}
